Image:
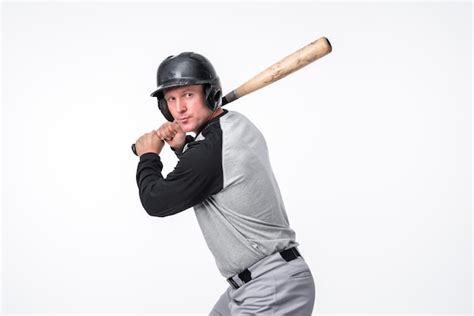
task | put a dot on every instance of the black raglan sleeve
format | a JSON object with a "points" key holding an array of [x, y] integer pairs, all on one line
{"points": [[197, 176]]}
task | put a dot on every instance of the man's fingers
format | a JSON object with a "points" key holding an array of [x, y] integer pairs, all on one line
{"points": [[171, 130], [148, 142], [167, 132], [177, 127], [159, 134]]}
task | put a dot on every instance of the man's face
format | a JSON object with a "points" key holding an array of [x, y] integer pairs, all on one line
{"points": [[187, 105]]}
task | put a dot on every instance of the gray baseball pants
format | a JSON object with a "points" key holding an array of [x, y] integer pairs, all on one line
{"points": [[277, 287]]}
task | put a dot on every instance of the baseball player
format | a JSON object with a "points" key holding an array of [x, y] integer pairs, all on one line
{"points": [[224, 173]]}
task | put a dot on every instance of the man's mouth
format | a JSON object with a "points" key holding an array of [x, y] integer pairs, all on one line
{"points": [[183, 119]]}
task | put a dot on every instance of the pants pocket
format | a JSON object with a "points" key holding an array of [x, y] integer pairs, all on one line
{"points": [[301, 274]]}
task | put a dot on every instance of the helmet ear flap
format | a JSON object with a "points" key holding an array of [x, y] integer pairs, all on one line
{"points": [[213, 96], [163, 106]]}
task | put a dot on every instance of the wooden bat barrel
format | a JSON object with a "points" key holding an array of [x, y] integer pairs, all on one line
{"points": [[291, 63]]}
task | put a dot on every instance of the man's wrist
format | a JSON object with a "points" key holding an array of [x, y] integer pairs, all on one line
{"points": [[178, 149], [155, 149]]}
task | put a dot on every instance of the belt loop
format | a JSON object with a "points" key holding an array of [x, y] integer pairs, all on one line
{"points": [[290, 254], [295, 252], [233, 283], [245, 276]]}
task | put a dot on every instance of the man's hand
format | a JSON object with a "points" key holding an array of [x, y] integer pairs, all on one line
{"points": [[149, 143], [173, 135]]}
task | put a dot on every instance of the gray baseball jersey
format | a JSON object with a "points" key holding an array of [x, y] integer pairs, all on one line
{"points": [[225, 174]]}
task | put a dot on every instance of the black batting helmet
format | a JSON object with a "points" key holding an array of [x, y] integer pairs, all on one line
{"points": [[186, 69]]}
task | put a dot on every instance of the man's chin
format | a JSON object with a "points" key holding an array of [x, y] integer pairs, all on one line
{"points": [[186, 127]]}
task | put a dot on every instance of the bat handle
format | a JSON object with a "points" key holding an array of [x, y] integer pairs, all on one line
{"points": [[229, 97], [134, 149]]}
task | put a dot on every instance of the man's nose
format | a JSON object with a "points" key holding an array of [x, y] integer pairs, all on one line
{"points": [[181, 106]]}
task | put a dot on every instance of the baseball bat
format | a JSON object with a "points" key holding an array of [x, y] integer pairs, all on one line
{"points": [[291, 63]]}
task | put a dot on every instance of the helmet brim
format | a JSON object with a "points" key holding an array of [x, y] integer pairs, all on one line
{"points": [[158, 93]]}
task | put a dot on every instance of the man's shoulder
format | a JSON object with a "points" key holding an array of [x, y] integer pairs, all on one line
{"points": [[231, 121], [237, 128], [234, 118], [233, 115]]}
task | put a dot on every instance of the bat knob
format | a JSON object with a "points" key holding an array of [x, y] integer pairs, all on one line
{"points": [[134, 149]]}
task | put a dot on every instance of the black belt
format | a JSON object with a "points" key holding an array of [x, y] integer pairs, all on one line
{"points": [[246, 276]]}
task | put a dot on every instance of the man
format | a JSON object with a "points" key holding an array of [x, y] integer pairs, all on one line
{"points": [[224, 172]]}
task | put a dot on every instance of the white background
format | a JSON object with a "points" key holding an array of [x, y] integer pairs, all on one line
{"points": [[371, 146]]}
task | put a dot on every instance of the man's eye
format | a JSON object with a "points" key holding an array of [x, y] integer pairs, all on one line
{"points": [[170, 99], [188, 95]]}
